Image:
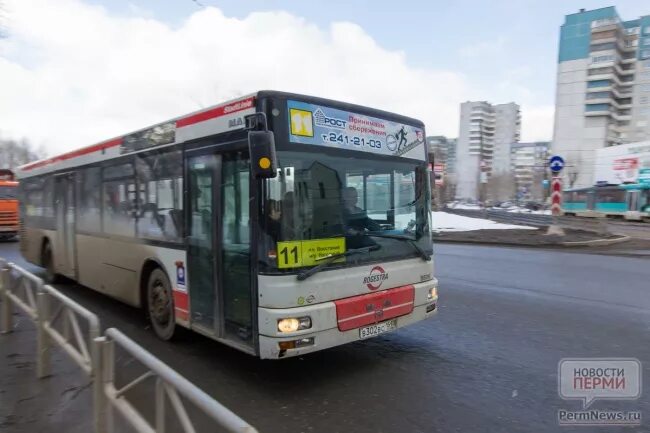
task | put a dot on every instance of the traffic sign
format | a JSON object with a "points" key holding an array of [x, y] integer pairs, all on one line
{"points": [[556, 163]]}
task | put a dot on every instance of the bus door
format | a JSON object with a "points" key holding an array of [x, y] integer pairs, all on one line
{"points": [[219, 264], [64, 200], [632, 200]]}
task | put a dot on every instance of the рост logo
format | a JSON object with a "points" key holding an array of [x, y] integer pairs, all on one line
{"points": [[328, 122], [375, 278]]}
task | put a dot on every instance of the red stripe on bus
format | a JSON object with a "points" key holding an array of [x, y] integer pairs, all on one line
{"points": [[75, 153], [372, 308], [213, 113], [181, 304]]}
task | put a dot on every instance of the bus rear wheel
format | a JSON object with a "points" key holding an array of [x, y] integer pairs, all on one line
{"points": [[160, 305]]}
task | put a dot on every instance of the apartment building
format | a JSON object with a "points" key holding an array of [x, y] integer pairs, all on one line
{"points": [[528, 166], [485, 135], [603, 87]]}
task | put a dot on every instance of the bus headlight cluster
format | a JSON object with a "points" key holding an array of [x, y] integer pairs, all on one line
{"points": [[433, 293], [294, 324]]}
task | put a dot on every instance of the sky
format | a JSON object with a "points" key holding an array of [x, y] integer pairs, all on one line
{"points": [[75, 72]]}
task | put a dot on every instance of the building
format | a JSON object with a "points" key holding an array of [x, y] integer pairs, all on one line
{"points": [[528, 166], [483, 148], [603, 88], [444, 151]]}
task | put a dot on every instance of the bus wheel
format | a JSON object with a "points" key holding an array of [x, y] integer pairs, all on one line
{"points": [[47, 261], [160, 304]]}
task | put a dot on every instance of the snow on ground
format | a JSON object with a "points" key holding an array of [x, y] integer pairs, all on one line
{"points": [[466, 206], [447, 222]]}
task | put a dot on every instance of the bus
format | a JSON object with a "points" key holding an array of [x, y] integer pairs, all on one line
{"points": [[8, 205], [279, 224]]}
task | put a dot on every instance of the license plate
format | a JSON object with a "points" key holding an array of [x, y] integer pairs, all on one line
{"points": [[378, 328]]}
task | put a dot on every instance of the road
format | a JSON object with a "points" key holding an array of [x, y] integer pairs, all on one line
{"points": [[487, 362]]}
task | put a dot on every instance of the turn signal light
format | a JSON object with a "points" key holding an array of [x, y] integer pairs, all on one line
{"points": [[295, 344]]}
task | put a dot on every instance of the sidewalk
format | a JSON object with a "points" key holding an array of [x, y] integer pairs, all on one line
{"points": [[61, 402]]}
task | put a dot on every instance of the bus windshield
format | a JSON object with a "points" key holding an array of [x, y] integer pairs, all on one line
{"points": [[327, 204], [8, 193]]}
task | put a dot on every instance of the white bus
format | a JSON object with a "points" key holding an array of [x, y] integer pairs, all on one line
{"points": [[279, 224]]}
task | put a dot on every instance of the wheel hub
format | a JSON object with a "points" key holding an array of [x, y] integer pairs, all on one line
{"points": [[159, 303]]}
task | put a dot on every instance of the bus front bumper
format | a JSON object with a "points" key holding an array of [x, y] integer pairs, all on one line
{"points": [[325, 332]]}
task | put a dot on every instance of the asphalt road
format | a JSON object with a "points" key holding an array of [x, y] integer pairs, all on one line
{"points": [[487, 363]]}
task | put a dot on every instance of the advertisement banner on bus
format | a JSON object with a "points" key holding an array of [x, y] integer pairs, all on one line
{"points": [[331, 127]]}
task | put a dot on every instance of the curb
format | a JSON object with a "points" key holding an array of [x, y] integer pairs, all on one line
{"points": [[596, 242], [592, 242]]}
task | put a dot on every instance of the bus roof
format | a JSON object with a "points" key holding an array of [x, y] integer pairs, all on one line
{"points": [[216, 119]]}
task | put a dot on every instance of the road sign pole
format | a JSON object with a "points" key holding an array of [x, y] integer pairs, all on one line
{"points": [[556, 195], [556, 164]]}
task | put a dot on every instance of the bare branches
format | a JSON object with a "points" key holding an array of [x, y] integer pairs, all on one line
{"points": [[14, 153]]}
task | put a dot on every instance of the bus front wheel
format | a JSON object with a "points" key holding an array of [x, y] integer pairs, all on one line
{"points": [[47, 261], [160, 304]]}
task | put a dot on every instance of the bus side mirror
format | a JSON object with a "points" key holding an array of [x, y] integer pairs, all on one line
{"points": [[261, 145]]}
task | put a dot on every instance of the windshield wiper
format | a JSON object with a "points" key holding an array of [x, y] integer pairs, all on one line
{"points": [[425, 256], [329, 259]]}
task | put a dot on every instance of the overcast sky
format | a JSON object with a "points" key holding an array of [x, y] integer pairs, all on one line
{"points": [[75, 72]]}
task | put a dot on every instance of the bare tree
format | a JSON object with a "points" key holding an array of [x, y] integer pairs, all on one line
{"points": [[573, 170], [501, 186], [14, 153], [3, 20]]}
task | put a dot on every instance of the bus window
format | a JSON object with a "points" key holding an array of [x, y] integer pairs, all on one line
{"points": [[160, 180], [89, 201], [379, 196], [644, 201], [119, 199]]}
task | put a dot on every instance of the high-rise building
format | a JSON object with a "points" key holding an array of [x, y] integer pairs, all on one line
{"points": [[444, 150], [452, 143], [483, 148], [528, 166], [603, 87]]}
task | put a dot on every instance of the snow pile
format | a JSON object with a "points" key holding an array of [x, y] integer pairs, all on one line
{"points": [[446, 222]]}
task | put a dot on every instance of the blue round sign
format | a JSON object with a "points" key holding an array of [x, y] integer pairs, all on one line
{"points": [[556, 163]]}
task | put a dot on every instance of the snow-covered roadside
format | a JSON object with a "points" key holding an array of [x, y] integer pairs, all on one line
{"points": [[446, 222]]}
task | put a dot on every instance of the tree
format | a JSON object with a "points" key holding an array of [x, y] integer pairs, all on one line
{"points": [[14, 153], [501, 186], [573, 170], [3, 20]]}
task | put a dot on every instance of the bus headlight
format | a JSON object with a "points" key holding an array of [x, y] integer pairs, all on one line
{"points": [[294, 324], [433, 293]]}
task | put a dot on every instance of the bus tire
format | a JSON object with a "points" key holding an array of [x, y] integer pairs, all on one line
{"points": [[47, 261], [160, 304]]}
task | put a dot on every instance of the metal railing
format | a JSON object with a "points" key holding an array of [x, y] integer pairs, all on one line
{"points": [[598, 225], [49, 308], [71, 339], [58, 324], [20, 288], [170, 386]]}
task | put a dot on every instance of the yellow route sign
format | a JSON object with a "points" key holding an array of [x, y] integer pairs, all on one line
{"points": [[296, 254]]}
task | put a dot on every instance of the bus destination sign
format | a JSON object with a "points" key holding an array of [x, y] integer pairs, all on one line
{"points": [[331, 127]]}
